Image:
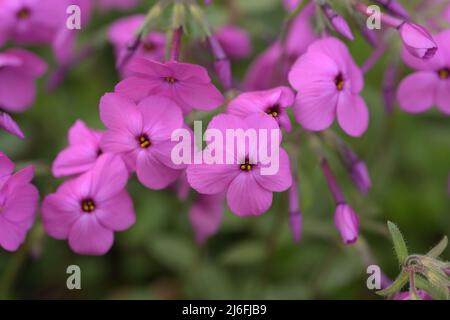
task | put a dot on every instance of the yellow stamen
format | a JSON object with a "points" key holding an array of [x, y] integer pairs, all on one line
{"points": [[170, 80], [444, 73], [144, 142], [23, 14], [88, 205]]}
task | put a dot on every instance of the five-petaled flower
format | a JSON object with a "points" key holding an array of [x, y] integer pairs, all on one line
{"points": [[248, 191], [187, 84], [141, 134], [329, 82], [88, 209]]}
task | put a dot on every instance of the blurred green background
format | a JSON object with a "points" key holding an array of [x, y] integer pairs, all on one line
{"points": [[250, 258]]}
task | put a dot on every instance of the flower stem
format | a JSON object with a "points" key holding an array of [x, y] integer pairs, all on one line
{"points": [[175, 49], [385, 18]]}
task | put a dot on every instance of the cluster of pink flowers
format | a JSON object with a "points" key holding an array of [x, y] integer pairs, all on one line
{"points": [[157, 96]]}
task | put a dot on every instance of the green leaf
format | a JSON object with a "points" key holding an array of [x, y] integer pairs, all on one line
{"points": [[439, 248], [396, 286], [173, 251], [439, 280], [244, 254], [399, 243], [435, 293]]}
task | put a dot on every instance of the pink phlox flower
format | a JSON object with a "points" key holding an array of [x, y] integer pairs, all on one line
{"points": [[248, 191], [88, 210], [329, 83], [141, 134], [189, 85]]}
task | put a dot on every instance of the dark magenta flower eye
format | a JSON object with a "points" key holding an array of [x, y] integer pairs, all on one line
{"points": [[444, 73], [144, 141], [88, 205], [339, 81], [273, 111], [23, 13], [170, 80], [246, 166]]}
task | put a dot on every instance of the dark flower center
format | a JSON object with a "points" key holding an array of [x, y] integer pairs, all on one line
{"points": [[149, 46], [246, 166], [144, 141], [99, 152], [23, 13], [88, 205], [274, 111], [444, 73], [339, 81], [170, 80]]}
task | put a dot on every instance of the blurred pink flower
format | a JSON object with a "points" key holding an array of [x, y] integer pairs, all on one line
{"points": [[347, 223], [141, 134], [290, 5], [206, 214], [18, 202], [248, 191], [31, 21], [329, 83], [273, 102], [88, 209], [271, 67], [122, 32], [417, 40], [430, 85], [9, 125], [18, 71], [64, 40], [267, 70], [235, 41], [82, 152], [187, 84]]}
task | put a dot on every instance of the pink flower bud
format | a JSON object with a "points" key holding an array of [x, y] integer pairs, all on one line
{"points": [[9, 125], [417, 40], [347, 223], [295, 215], [339, 24], [222, 64], [360, 176]]}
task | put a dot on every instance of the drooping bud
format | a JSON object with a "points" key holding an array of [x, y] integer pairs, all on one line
{"points": [[295, 215], [347, 223], [389, 78], [417, 40], [339, 24], [9, 125], [222, 64], [357, 169]]}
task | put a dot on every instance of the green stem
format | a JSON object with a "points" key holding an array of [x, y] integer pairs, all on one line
{"points": [[17, 261], [275, 232]]}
